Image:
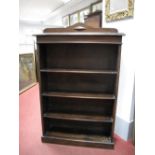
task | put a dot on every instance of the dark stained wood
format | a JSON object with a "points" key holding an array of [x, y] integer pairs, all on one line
{"points": [[80, 106], [92, 14], [78, 72], [78, 139], [37, 54], [94, 19], [78, 117], [78, 127], [101, 139], [79, 56], [79, 95], [73, 29], [82, 39], [79, 83]]}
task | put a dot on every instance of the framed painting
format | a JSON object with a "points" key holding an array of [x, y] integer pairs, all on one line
{"points": [[118, 9], [27, 71]]}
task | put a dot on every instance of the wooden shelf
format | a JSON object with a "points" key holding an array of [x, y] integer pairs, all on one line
{"points": [[78, 139], [79, 117], [79, 95], [80, 71]]}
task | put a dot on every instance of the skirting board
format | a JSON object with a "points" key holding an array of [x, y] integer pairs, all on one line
{"points": [[123, 128]]}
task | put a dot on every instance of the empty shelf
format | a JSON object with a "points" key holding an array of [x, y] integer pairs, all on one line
{"points": [[79, 95], [79, 117], [79, 71], [78, 139]]}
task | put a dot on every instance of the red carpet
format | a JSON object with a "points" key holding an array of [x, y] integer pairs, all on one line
{"points": [[30, 133]]}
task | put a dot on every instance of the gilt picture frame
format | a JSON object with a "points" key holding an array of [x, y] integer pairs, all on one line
{"points": [[27, 72], [118, 9]]}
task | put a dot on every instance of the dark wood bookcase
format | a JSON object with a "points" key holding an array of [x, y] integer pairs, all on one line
{"points": [[78, 72]]}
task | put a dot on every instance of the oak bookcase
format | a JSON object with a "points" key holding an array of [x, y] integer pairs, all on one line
{"points": [[78, 72]]}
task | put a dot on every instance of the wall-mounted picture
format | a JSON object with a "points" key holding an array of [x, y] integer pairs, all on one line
{"points": [[74, 18], [83, 13], [65, 21], [97, 6], [27, 72], [119, 9]]}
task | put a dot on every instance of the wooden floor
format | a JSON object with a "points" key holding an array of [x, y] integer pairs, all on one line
{"points": [[30, 133]]}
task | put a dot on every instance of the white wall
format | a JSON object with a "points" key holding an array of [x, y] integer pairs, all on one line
{"points": [[126, 82], [125, 104], [27, 29], [26, 40], [72, 6]]}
